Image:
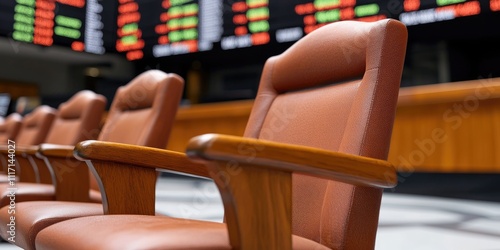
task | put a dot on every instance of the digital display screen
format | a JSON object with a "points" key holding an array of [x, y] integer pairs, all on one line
{"points": [[171, 27], [161, 28], [78, 24]]}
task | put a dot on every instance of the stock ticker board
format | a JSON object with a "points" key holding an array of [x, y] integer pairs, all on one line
{"points": [[78, 24], [160, 28]]}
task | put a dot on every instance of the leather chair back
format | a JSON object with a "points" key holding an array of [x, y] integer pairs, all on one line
{"points": [[77, 119], [143, 111], [10, 127], [344, 91], [36, 125]]}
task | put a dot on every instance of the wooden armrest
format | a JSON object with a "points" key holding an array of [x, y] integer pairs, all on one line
{"points": [[342, 167], [257, 195], [69, 175], [126, 174], [56, 150], [140, 156], [29, 150]]}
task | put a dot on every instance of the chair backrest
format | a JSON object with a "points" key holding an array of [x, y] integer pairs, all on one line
{"points": [[36, 125], [335, 89], [77, 119], [143, 111], [10, 127]]}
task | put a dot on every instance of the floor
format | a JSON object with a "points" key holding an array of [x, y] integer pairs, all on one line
{"points": [[409, 222]]}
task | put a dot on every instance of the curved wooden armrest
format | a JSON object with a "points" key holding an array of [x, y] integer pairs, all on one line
{"points": [[56, 150], [255, 181], [126, 174], [4, 147], [69, 175], [139, 156], [342, 167], [29, 150]]}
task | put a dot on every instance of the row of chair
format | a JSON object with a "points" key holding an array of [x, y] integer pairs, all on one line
{"points": [[31, 130], [308, 173], [75, 120], [141, 113]]}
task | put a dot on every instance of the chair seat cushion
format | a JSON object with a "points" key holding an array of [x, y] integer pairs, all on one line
{"points": [[31, 217], [26, 191], [142, 232]]}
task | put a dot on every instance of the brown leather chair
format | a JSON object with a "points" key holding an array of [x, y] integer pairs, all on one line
{"points": [[34, 129], [76, 120], [142, 113], [311, 165], [9, 128], [35, 126]]}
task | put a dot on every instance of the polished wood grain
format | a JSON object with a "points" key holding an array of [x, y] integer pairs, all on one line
{"points": [[48, 149], [450, 127], [72, 179], [342, 167], [135, 167], [125, 188], [255, 177], [70, 176], [140, 156], [257, 205], [31, 150], [256, 188]]}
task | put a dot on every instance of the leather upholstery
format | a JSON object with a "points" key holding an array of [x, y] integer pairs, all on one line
{"points": [[153, 96], [36, 125], [351, 116], [169, 233], [76, 120], [10, 127], [33, 129], [335, 89], [142, 113], [27, 192], [42, 214]]}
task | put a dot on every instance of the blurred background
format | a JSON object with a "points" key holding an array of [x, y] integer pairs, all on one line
{"points": [[446, 134]]}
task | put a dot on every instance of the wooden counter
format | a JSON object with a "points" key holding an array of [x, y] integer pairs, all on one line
{"points": [[452, 127], [228, 118]]}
